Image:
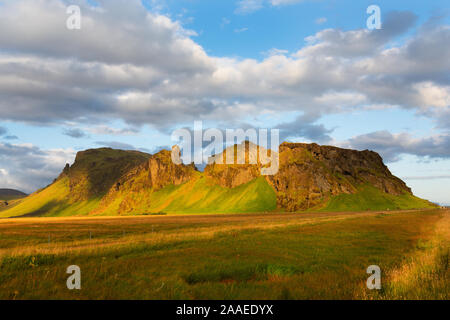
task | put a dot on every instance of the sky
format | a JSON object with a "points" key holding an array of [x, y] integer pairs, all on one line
{"points": [[138, 70]]}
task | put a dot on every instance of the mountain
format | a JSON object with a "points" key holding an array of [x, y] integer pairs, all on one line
{"points": [[310, 177], [313, 176], [7, 194], [9, 197]]}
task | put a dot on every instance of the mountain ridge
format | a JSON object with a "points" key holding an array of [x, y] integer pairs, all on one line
{"points": [[9, 195], [11, 192], [310, 177]]}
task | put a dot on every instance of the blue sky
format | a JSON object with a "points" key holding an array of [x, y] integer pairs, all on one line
{"points": [[284, 27], [138, 70]]}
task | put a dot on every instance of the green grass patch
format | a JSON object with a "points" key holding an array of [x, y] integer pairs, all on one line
{"points": [[51, 201], [370, 198], [198, 196]]}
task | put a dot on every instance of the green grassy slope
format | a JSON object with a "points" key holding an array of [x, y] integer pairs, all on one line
{"points": [[199, 196], [255, 196], [78, 190], [193, 197], [51, 201], [371, 198]]}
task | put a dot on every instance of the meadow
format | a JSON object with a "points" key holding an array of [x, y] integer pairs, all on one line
{"points": [[311, 255]]}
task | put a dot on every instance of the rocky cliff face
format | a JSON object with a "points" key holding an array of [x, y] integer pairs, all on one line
{"points": [[95, 171], [157, 172], [162, 171], [233, 175], [309, 174], [116, 182], [154, 174]]}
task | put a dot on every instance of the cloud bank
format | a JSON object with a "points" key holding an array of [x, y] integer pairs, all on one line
{"points": [[27, 167], [131, 64], [144, 68]]}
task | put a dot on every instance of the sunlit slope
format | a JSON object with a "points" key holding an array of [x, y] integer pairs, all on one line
{"points": [[254, 196], [51, 201], [80, 187], [310, 178], [192, 197], [199, 196], [371, 198]]}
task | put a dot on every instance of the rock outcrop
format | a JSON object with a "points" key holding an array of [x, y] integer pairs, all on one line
{"points": [[309, 174], [154, 174], [95, 171], [162, 171], [245, 167], [107, 181]]}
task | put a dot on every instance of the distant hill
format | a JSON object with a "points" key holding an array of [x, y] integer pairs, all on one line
{"points": [[310, 177], [10, 194]]}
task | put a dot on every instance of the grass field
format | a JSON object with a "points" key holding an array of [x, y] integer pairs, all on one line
{"points": [[246, 256]]}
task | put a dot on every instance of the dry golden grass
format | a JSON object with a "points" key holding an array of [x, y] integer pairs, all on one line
{"points": [[425, 274], [222, 224], [246, 256]]}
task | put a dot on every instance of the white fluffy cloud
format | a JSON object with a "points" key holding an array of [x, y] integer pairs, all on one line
{"points": [[127, 63], [391, 146], [27, 167]]}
